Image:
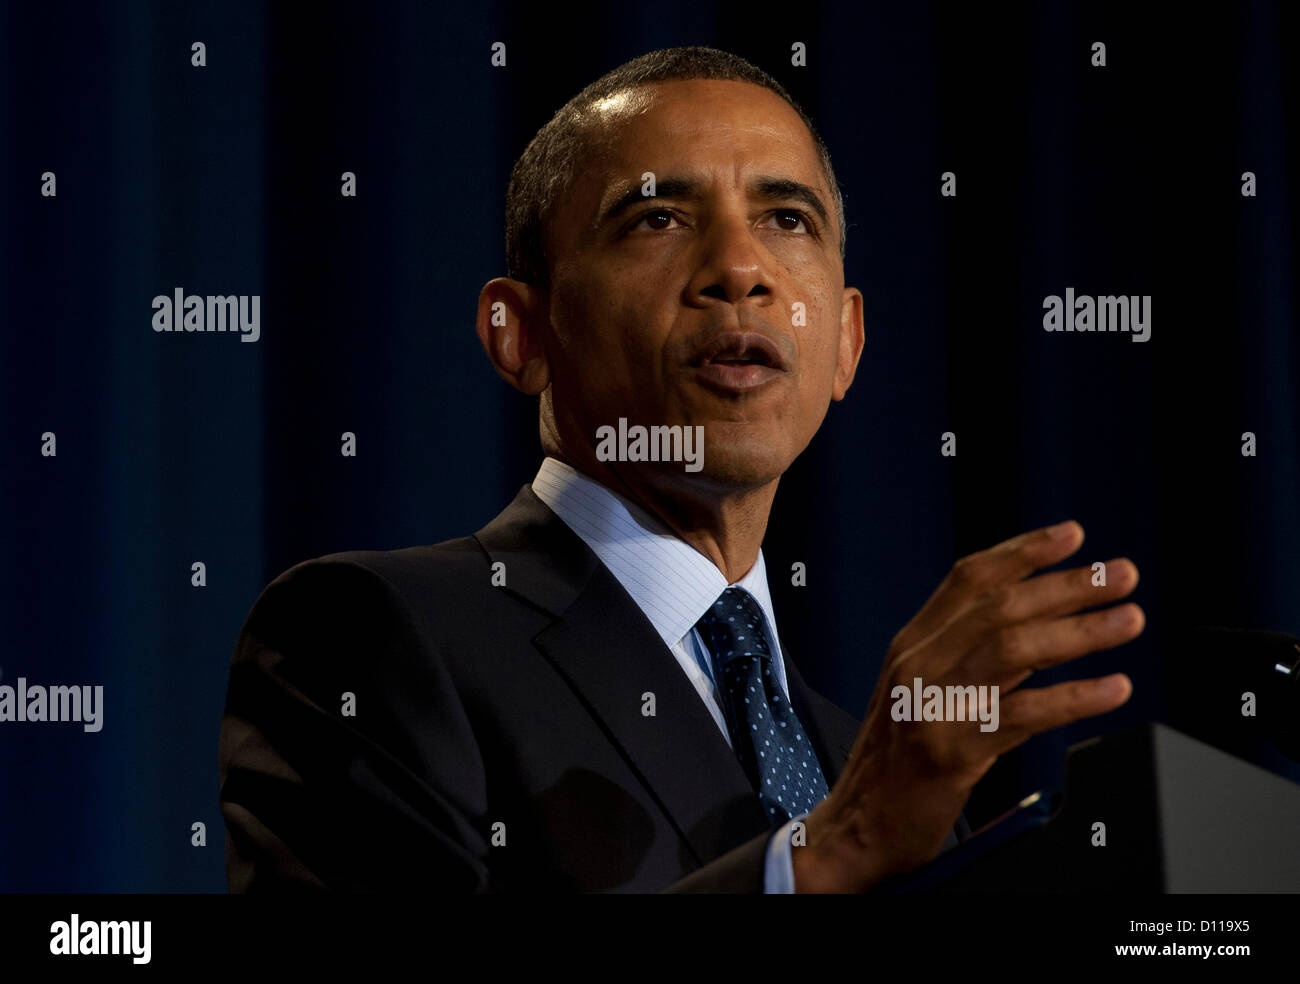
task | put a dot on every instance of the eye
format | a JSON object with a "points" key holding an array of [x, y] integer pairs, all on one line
{"points": [[655, 218], [791, 220]]}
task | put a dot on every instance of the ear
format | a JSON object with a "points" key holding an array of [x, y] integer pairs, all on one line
{"points": [[851, 341], [511, 324]]}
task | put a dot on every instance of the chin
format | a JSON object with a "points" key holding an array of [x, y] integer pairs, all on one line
{"points": [[741, 462]]}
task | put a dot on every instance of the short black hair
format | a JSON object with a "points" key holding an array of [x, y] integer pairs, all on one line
{"points": [[548, 166]]}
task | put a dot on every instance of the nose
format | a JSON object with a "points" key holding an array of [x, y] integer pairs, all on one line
{"points": [[733, 266]]}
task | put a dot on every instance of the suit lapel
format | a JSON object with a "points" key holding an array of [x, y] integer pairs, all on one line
{"points": [[679, 754], [610, 654]]}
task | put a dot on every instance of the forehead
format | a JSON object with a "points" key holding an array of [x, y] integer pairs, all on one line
{"points": [[676, 119], [718, 128], [696, 109]]}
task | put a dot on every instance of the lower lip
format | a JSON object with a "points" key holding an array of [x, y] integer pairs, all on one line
{"points": [[738, 378]]}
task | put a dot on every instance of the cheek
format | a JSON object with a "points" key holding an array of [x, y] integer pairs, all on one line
{"points": [[614, 315], [807, 280], [818, 340], [605, 327]]}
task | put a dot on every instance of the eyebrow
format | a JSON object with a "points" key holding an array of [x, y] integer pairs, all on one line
{"points": [[765, 186]]}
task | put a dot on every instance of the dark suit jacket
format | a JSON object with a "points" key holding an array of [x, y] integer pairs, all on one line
{"points": [[474, 706]]}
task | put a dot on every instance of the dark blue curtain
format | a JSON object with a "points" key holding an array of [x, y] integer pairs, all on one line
{"points": [[177, 448]]}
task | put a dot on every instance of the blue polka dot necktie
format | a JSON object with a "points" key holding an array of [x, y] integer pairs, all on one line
{"points": [[766, 735]]}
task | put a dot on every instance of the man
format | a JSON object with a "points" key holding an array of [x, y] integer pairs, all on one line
{"points": [[590, 693]]}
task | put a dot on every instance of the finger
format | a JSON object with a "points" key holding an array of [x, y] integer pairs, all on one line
{"points": [[1013, 650], [1033, 711], [1053, 595], [1039, 598], [971, 576]]}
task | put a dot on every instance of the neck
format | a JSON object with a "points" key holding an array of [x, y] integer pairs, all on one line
{"points": [[725, 525]]}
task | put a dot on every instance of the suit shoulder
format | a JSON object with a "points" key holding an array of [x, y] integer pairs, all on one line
{"points": [[412, 600], [408, 570], [438, 586]]}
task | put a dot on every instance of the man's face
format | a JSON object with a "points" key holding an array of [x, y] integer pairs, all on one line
{"points": [[718, 302]]}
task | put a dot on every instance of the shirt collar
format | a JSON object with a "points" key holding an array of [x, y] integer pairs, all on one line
{"points": [[670, 581]]}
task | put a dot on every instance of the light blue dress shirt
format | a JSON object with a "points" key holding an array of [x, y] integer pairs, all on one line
{"points": [[674, 585]]}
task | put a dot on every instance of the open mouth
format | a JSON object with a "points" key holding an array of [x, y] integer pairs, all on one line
{"points": [[750, 357], [741, 348], [739, 361]]}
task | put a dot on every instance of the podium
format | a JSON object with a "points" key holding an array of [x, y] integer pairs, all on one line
{"points": [[1176, 815]]}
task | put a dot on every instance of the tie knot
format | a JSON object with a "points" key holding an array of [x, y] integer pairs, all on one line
{"points": [[734, 626]]}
